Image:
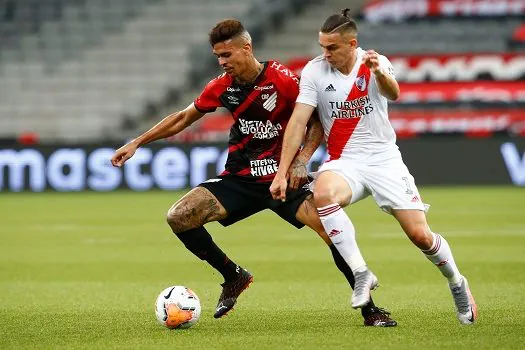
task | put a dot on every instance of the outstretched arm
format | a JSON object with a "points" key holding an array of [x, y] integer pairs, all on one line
{"points": [[314, 136], [169, 126], [293, 137]]}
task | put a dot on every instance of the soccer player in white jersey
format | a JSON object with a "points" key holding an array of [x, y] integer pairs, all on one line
{"points": [[350, 88]]}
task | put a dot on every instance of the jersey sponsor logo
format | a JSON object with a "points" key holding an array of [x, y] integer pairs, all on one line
{"points": [[262, 88], [282, 69], [259, 129], [356, 108], [360, 82], [263, 167], [271, 102], [233, 100], [232, 89], [330, 88]]}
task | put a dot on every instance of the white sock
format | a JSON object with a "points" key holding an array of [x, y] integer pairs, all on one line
{"points": [[342, 234], [441, 256]]}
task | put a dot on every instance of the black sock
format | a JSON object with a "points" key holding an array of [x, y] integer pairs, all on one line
{"points": [[345, 269], [199, 242]]}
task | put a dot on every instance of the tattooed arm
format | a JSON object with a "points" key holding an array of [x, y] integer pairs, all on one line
{"points": [[298, 173]]}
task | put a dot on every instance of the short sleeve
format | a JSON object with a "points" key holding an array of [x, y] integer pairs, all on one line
{"points": [[208, 100], [307, 86], [386, 66]]}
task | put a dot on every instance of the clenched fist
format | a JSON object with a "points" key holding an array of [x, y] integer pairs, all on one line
{"points": [[123, 154]]}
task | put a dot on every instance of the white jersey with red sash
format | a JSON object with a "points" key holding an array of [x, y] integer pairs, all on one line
{"points": [[352, 110], [361, 141]]}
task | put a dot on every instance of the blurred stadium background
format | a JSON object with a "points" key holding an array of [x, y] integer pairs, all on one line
{"points": [[81, 270], [91, 74]]}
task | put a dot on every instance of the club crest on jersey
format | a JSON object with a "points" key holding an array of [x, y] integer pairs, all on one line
{"points": [[360, 82], [271, 101]]}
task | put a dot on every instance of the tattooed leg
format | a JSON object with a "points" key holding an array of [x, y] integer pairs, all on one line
{"points": [[187, 218], [196, 208]]}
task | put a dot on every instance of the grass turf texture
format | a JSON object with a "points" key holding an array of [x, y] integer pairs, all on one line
{"points": [[83, 270]]}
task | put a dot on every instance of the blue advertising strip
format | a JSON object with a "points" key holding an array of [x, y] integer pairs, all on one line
{"points": [[433, 160]]}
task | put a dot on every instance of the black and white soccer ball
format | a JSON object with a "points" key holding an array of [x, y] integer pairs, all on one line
{"points": [[178, 307]]}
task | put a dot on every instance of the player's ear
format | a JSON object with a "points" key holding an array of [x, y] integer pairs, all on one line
{"points": [[247, 48]]}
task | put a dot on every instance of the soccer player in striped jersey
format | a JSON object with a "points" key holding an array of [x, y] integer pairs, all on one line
{"points": [[350, 87], [260, 97]]}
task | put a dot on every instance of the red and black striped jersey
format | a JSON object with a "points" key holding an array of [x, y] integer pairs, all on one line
{"points": [[260, 114]]}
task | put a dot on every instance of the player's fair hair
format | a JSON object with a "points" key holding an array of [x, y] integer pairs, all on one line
{"points": [[227, 30], [340, 23]]}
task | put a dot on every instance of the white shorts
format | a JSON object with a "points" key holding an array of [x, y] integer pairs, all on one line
{"points": [[390, 184]]}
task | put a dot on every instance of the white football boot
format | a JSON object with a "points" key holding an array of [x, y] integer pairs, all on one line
{"points": [[467, 310], [364, 282]]}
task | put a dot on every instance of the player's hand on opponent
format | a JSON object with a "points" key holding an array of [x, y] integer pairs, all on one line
{"points": [[371, 60], [278, 187], [123, 154], [297, 174]]}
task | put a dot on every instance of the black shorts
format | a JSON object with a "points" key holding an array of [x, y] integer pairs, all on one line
{"points": [[242, 199]]}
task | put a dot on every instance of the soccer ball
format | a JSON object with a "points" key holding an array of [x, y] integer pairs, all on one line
{"points": [[178, 307]]}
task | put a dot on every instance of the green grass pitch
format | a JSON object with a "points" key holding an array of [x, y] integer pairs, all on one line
{"points": [[82, 270]]}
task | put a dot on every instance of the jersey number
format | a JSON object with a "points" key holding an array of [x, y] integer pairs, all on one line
{"points": [[409, 190]]}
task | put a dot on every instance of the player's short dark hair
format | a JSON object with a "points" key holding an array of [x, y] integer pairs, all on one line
{"points": [[340, 23], [226, 30]]}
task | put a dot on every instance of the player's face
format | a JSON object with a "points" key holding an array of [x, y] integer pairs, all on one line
{"points": [[337, 49], [233, 56]]}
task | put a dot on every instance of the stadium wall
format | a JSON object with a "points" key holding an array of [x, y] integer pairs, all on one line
{"points": [[452, 160]]}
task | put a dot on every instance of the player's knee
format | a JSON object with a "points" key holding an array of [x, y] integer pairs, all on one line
{"points": [[420, 235], [171, 218], [174, 218], [324, 196]]}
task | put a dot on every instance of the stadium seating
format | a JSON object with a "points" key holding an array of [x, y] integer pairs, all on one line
{"points": [[74, 76], [458, 72], [93, 70]]}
